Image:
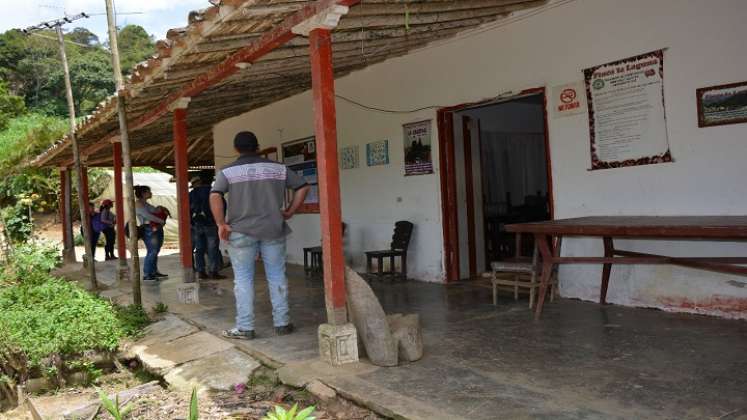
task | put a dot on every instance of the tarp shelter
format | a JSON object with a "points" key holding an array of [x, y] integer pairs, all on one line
{"points": [[164, 194]]}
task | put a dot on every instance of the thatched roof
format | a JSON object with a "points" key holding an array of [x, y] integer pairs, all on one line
{"points": [[372, 31]]}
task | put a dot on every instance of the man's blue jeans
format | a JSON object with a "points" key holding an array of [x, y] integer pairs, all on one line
{"points": [[205, 240], [153, 242], [243, 251]]}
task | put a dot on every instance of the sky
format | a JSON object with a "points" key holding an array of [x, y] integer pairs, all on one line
{"points": [[158, 16]]}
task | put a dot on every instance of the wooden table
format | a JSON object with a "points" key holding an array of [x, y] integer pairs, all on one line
{"points": [[548, 235]]}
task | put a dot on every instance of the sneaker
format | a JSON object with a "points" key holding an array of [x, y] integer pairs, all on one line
{"points": [[237, 334], [150, 279], [160, 275], [202, 275], [217, 276], [284, 330]]}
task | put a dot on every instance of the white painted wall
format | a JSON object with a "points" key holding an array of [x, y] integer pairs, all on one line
{"points": [[705, 41]]}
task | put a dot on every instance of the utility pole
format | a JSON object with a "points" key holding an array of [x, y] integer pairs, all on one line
{"points": [[124, 140], [84, 216]]}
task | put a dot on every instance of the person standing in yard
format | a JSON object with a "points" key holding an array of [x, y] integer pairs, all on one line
{"points": [[204, 231], [107, 222], [255, 222], [148, 216]]}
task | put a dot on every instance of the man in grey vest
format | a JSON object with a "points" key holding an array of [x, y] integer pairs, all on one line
{"points": [[255, 223]]}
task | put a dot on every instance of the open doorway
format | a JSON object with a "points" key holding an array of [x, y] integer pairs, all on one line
{"points": [[497, 170]]}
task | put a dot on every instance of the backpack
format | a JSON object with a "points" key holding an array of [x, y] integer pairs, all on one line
{"points": [[96, 223], [201, 215], [140, 231]]}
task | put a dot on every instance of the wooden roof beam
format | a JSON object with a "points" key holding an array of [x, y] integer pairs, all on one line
{"points": [[265, 44]]}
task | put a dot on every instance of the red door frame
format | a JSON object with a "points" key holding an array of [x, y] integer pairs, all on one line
{"points": [[445, 121]]}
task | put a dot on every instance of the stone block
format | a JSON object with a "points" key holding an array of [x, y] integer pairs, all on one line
{"points": [[324, 393], [406, 330], [160, 358], [220, 371], [164, 331], [338, 344], [188, 293], [369, 318]]}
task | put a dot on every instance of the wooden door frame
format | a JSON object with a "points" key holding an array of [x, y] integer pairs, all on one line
{"points": [[447, 175], [470, 195]]}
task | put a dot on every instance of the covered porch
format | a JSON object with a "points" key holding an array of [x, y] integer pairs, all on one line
{"points": [[482, 362]]}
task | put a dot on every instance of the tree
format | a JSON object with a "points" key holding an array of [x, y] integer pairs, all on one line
{"points": [[83, 36], [91, 77], [135, 45], [11, 106]]}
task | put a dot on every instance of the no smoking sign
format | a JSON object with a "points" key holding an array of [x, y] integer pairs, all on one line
{"points": [[568, 100]]}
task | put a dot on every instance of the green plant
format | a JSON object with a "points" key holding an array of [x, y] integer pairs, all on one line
{"points": [[281, 414], [86, 366], [194, 412], [161, 308], [31, 262], [113, 407], [18, 226], [132, 319]]}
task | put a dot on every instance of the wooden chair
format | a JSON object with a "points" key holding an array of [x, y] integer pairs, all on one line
{"points": [[521, 273], [398, 248], [312, 258]]}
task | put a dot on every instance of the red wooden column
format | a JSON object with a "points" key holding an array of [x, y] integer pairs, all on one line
{"points": [[181, 164], [119, 205], [325, 124]]}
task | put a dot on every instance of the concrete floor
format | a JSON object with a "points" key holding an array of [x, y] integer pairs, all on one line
{"points": [[581, 361]]}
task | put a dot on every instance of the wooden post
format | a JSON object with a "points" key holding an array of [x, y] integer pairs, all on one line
{"points": [[66, 210], [323, 87], [181, 165], [124, 139], [119, 205], [76, 158]]}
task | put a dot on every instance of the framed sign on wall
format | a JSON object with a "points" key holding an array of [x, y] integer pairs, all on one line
{"points": [[723, 104], [300, 156]]}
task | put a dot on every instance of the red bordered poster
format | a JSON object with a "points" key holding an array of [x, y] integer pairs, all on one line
{"points": [[627, 120]]}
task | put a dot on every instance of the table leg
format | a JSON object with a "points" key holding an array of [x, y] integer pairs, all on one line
{"points": [[609, 251], [543, 242]]}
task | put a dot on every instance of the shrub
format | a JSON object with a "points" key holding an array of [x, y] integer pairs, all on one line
{"points": [[55, 318], [47, 324], [18, 226], [132, 319], [31, 262]]}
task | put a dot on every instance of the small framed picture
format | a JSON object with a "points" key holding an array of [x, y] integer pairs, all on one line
{"points": [[722, 104]]}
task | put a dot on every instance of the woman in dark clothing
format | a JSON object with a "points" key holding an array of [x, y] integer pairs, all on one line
{"points": [[108, 222]]}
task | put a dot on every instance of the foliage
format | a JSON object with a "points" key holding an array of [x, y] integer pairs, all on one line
{"points": [[56, 317], [31, 65], [135, 45], [281, 414], [161, 308], [132, 319], [17, 223], [47, 323], [113, 407], [25, 137], [11, 106], [31, 263]]}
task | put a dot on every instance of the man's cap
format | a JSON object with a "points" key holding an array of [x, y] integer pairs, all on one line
{"points": [[245, 140], [106, 203]]}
